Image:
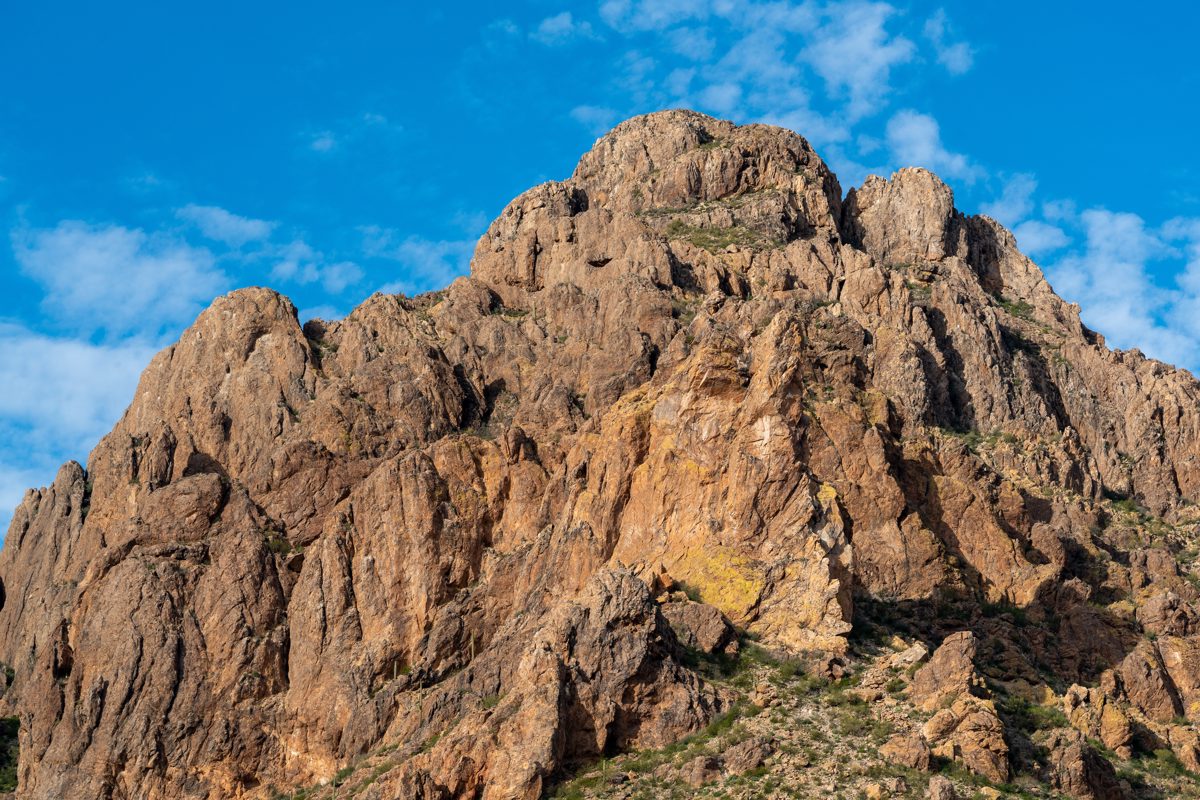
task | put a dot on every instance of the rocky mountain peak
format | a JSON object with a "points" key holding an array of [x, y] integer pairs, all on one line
{"points": [[693, 426]]}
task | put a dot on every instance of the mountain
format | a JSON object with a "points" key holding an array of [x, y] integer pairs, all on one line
{"points": [[708, 481]]}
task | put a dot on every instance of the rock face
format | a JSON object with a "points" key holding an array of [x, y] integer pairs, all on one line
{"points": [[418, 529], [949, 674], [1079, 771], [971, 732]]}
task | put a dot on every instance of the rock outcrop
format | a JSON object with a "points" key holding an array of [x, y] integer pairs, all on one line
{"points": [[419, 537]]}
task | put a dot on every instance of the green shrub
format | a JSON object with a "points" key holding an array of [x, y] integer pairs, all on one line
{"points": [[1030, 717], [9, 751], [342, 774], [1018, 308]]}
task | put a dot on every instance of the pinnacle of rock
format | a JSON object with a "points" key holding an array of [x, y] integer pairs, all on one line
{"points": [[696, 425]]}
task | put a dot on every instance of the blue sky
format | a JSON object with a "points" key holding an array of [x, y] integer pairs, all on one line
{"points": [[154, 156]]}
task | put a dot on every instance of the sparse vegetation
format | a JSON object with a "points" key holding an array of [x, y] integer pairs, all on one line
{"points": [[922, 293], [279, 544], [717, 239], [9, 751], [1028, 716], [1018, 308]]}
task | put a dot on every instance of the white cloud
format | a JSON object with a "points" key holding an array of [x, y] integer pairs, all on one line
{"points": [[1015, 201], [561, 29], [915, 141], [503, 28], [756, 78], [222, 226], [120, 292], [65, 393], [855, 54], [652, 15], [597, 119], [760, 59], [342, 135], [118, 280], [325, 312], [1111, 282], [1036, 238], [323, 142], [956, 57], [16, 476], [428, 263], [1059, 210], [336, 278], [1186, 311], [60, 396], [723, 98], [297, 262], [693, 43]]}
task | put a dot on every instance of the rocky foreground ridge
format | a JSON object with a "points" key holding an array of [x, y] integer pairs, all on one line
{"points": [[707, 482]]}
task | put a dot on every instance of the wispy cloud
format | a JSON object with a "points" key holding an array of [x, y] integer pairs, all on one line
{"points": [[323, 142], [69, 390], [957, 57], [425, 263], [61, 395], [1136, 283], [111, 296], [561, 29], [346, 133], [297, 262], [117, 280], [824, 69], [223, 226], [651, 15], [854, 53], [1015, 201], [915, 140], [596, 119], [1111, 279], [1037, 238]]}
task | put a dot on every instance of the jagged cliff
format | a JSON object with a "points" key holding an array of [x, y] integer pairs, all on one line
{"points": [[471, 542]]}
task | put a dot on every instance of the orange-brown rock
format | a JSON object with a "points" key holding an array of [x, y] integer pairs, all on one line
{"points": [[1096, 714], [949, 673], [1078, 771], [409, 528], [971, 732], [700, 626], [600, 676], [907, 750], [940, 788]]}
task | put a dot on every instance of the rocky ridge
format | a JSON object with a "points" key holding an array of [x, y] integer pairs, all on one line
{"points": [[696, 422]]}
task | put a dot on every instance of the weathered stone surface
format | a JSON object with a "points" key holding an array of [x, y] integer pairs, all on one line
{"points": [[700, 626], [949, 673], [970, 731], [747, 755], [907, 750], [1078, 771], [940, 788], [1146, 683], [1095, 714], [1185, 743], [599, 676], [700, 770], [302, 544]]}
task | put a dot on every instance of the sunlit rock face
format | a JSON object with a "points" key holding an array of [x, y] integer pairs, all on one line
{"points": [[453, 528]]}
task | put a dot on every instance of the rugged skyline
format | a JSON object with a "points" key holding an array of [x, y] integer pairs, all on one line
{"points": [[152, 158], [709, 481]]}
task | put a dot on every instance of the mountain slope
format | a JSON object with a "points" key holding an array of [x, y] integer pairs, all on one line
{"points": [[474, 540]]}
